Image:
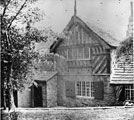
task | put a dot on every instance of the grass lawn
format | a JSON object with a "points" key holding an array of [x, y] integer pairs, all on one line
{"points": [[90, 113]]}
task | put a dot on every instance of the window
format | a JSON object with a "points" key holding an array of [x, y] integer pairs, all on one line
{"points": [[80, 53], [129, 92], [85, 88], [87, 52]]}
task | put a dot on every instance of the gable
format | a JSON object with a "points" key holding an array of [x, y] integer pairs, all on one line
{"points": [[78, 34], [104, 38]]}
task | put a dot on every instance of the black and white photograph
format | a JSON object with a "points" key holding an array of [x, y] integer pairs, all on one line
{"points": [[67, 60]]}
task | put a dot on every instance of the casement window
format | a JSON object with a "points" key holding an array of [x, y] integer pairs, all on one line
{"points": [[85, 89], [129, 92]]}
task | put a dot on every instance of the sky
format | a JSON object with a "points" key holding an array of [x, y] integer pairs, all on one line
{"points": [[110, 15]]}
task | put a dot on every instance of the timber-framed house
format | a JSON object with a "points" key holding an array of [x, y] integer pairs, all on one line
{"points": [[87, 50]]}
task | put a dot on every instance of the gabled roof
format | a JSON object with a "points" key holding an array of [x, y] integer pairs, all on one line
{"points": [[106, 37], [55, 45], [44, 76]]}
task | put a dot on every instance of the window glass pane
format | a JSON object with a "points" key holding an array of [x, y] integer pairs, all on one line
{"points": [[132, 94], [132, 87], [88, 92], [88, 84], [80, 53], [86, 52], [83, 88], [127, 94], [92, 89]]}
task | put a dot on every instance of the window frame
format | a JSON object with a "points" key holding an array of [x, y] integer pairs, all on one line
{"points": [[83, 52], [129, 88], [91, 89]]}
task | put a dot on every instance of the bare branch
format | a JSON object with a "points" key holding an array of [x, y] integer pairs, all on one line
{"points": [[22, 6], [4, 11]]}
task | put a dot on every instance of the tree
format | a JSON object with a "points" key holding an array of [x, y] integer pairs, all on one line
{"points": [[125, 50], [17, 52]]}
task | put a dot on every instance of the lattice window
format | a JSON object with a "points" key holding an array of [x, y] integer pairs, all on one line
{"points": [[85, 88], [129, 92]]}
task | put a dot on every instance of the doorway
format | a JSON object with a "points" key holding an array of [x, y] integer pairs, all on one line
{"points": [[38, 96]]}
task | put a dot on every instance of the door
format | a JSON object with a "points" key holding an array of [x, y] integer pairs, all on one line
{"points": [[37, 96]]}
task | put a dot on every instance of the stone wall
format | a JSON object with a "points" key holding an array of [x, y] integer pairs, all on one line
{"points": [[49, 94]]}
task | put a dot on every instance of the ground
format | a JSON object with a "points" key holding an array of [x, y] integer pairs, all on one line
{"points": [[89, 113]]}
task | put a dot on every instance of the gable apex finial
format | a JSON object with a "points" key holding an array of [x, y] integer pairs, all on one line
{"points": [[75, 10]]}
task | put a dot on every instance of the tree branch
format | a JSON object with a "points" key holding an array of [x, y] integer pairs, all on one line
{"points": [[16, 14], [4, 11]]}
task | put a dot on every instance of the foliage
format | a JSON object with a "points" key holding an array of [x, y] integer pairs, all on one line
{"points": [[125, 50], [17, 44]]}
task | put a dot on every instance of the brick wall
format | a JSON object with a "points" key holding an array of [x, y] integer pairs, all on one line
{"points": [[24, 98], [52, 92], [109, 93], [44, 95]]}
